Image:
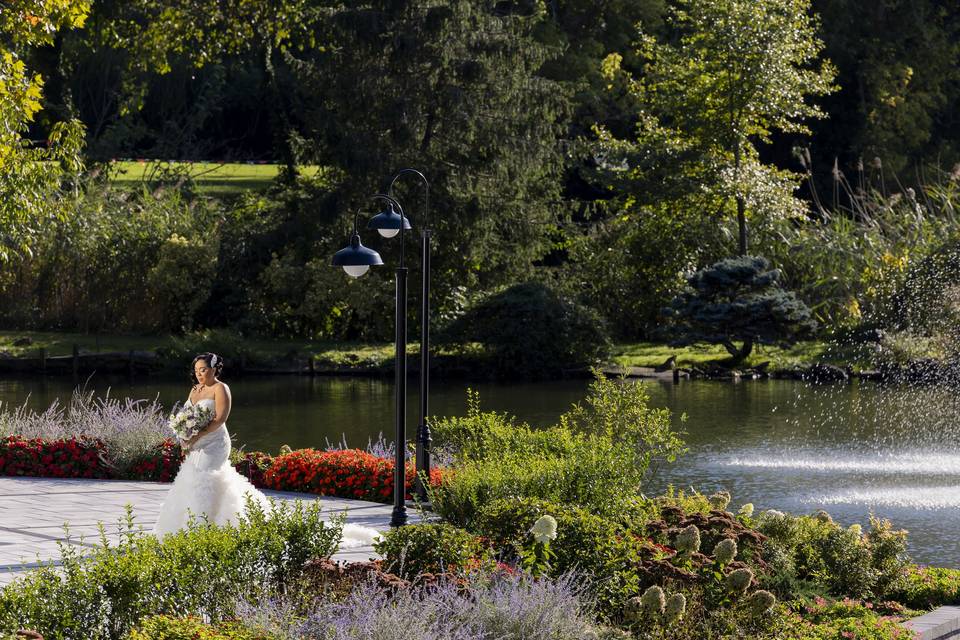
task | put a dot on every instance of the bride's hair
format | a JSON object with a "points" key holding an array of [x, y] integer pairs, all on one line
{"points": [[213, 361]]}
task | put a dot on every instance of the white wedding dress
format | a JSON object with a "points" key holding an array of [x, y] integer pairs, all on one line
{"points": [[208, 486]]}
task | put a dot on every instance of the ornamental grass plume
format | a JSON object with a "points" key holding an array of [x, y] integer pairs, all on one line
{"points": [[676, 607], [719, 500], [761, 601], [739, 581], [725, 551], [544, 529], [746, 510], [653, 601], [688, 540]]}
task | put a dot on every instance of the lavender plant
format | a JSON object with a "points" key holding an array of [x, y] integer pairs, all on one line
{"points": [[502, 607], [129, 429]]}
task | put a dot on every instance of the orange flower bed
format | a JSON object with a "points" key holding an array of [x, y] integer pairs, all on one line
{"points": [[349, 473]]}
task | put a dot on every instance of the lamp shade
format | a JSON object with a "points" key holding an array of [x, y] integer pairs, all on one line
{"points": [[356, 258], [389, 222]]}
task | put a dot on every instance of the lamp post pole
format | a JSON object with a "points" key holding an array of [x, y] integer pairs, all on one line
{"points": [[399, 516], [356, 260], [424, 437]]}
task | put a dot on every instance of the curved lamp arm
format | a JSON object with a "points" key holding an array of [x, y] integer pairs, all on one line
{"points": [[426, 184]]}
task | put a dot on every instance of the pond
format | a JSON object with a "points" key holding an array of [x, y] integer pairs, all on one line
{"points": [[851, 449]]}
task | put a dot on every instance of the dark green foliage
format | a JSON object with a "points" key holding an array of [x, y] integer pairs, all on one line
{"points": [[529, 330], [738, 299], [430, 548]]}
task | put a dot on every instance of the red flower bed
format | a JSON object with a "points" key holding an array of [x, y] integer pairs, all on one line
{"points": [[161, 465], [350, 473], [70, 458]]}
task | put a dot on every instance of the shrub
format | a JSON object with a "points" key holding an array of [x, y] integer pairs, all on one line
{"points": [[483, 435], [596, 457], [929, 587], [430, 548], [160, 465], [843, 619], [842, 561], [585, 544], [125, 431], [738, 299], [70, 458], [202, 571], [176, 285], [529, 330]]}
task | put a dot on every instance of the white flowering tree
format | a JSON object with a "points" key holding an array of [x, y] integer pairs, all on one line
{"points": [[737, 71], [31, 175]]}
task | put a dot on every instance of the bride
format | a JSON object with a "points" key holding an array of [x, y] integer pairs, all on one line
{"points": [[207, 485]]}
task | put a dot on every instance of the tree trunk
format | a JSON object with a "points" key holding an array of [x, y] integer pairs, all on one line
{"points": [[741, 354], [741, 206]]}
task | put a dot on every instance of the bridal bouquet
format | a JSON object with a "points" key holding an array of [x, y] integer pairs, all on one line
{"points": [[188, 421]]}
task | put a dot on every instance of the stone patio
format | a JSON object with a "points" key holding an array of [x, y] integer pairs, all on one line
{"points": [[33, 512]]}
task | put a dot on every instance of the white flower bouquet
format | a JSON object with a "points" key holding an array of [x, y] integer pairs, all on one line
{"points": [[188, 421]]}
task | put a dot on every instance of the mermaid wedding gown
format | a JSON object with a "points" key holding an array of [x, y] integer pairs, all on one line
{"points": [[208, 485]]}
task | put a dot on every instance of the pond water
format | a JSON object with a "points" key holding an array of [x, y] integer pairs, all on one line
{"points": [[850, 449]]}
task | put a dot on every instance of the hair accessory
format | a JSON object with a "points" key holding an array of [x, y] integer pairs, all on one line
{"points": [[214, 360]]}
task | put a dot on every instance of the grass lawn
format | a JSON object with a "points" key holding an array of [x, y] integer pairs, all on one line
{"points": [[638, 354], [650, 354], [259, 350], [210, 178]]}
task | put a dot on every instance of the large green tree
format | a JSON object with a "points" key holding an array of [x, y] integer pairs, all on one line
{"points": [[30, 174], [453, 89], [734, 72]]}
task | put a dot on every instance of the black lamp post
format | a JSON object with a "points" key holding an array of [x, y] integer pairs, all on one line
{"points": [[356, 260], [388, 223]]}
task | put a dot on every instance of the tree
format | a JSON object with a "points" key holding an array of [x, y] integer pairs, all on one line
{"points": [[737, 71], [30, 176], [738, 299], [452, 89], [156, 35]]}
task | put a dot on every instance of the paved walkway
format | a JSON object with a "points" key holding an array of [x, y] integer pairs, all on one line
{"points": [[33, 512]]}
